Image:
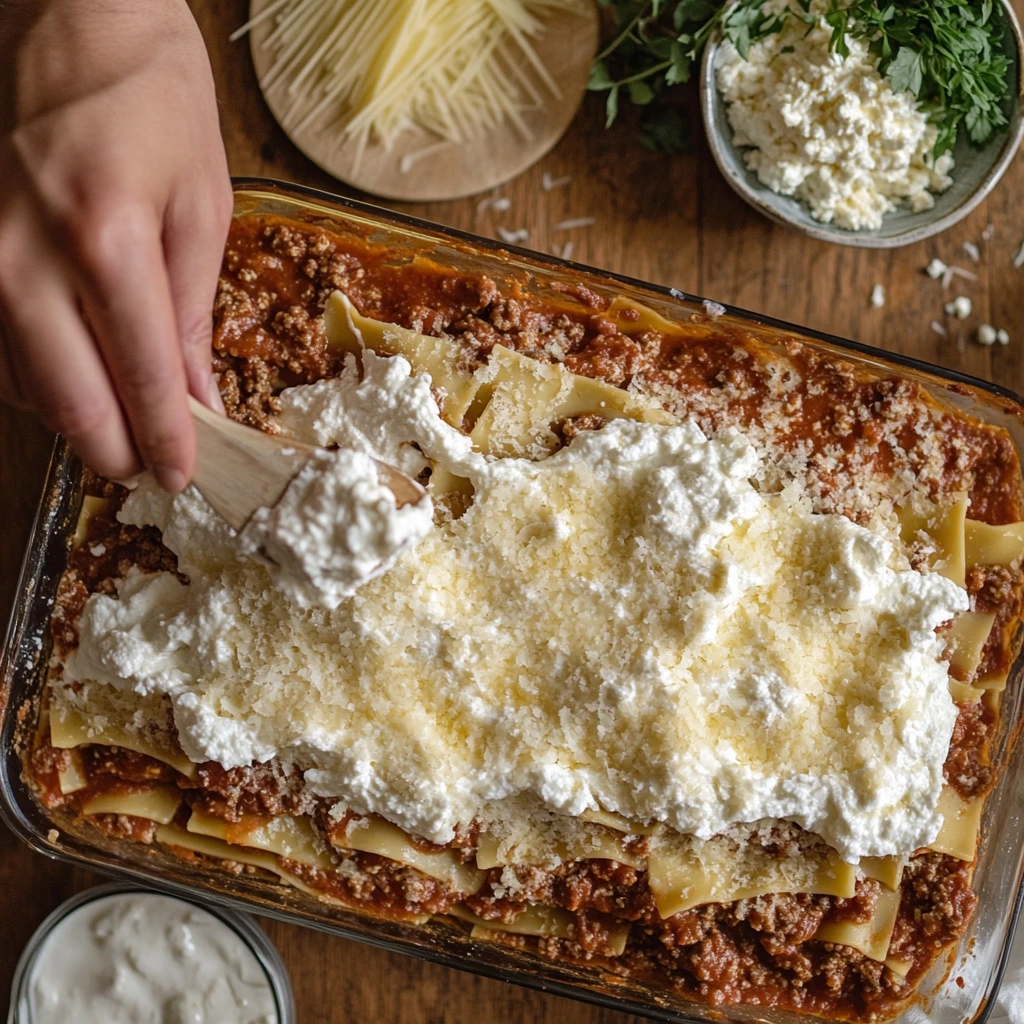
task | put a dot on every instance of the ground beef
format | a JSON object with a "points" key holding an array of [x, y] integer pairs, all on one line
{"points": [[260, 789], [967, 767]]}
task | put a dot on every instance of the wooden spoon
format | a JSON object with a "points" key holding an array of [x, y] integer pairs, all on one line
{"points": [[240, 469]]}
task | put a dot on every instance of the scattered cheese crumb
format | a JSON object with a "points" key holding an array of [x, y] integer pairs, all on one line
{"points": [[939, 329], [513, 237], [714, 309], [575, 222], [564, 252], [98, 550], [878, 296], [960, 307], [986, 235], [936, 269], [499, 203], [409, 161], [548, 183], [1018, 260], [52, 836], [986, 335], [1003, 337], [973, 251], [951, 272]]}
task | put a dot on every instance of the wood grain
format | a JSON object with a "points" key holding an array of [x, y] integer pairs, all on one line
{"points": [[669, 220]]}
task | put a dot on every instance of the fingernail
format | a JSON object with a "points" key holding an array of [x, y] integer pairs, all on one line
{"points": [[214, 400], [170, 479]]}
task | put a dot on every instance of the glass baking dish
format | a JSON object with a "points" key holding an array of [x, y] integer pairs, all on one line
{"points": [[959, 988]]}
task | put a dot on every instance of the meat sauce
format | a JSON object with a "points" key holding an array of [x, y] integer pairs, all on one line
{"points": [[822, 418]]}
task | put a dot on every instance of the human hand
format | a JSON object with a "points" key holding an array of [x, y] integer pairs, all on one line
{"points": [[114, 207]]}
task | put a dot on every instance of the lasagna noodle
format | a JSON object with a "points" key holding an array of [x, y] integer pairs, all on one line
{"points": [[349, 331], [964, 694], [943, 527], [286, 836], [73, 778], [380, 837], [685, 873], [208, 846], [524, 397], [994, 545], [91, 508], [545, 922], [897, 966], [69, 729], [619, 823], [870, 937], [631, 317], [966, 642], [592, 844], [993, 684], [158, 803], [887, 870], [961, 819]]}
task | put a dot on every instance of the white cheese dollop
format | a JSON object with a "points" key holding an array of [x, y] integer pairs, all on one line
{"points": [[335, 527], [627, 625]]}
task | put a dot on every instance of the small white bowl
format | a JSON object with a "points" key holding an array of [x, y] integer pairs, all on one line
{"points": [[976, 173], [253, 937]]}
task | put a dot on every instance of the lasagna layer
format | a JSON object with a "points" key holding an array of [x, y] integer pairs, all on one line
{"points": [[761, 913]]}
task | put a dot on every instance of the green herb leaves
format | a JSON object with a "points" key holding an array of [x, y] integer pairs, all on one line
{"points": [[657, 43], [948, 53], [906, 72]]}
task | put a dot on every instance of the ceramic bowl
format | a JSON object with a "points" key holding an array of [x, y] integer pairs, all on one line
{"points": [[976, 173]]}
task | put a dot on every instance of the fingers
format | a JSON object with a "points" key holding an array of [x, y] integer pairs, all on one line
{"points": [[59, 372], [127, 299], [193, 248]]}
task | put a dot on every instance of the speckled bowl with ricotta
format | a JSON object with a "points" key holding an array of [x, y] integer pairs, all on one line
{"points": [[975, 174]]}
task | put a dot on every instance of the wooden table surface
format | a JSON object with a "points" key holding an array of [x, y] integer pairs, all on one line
{"points": [[671, 220]]}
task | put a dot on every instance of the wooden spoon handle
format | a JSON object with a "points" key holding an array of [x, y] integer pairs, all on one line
{"points": [[240, 469]]}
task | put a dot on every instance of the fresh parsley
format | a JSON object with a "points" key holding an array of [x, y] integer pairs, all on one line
{"points": [[948, 53]]}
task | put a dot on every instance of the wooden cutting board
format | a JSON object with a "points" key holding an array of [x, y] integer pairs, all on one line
{"points": [[417, 168]]}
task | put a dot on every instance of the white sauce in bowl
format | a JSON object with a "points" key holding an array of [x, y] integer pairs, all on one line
{"points": [[145, 958]]}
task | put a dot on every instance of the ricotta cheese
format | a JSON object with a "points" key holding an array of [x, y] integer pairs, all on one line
{"points": [[830, 131], [628, 625], [335, 527]]}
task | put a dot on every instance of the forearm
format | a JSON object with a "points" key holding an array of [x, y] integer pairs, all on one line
{"points": [[64, 49]]}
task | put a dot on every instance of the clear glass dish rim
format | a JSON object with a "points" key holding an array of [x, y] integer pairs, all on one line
{"points": [[64, 467], [238, 921], [495, 247]]}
